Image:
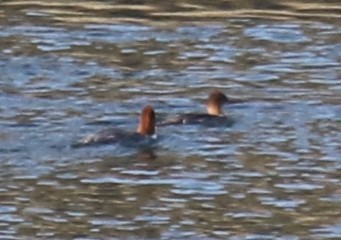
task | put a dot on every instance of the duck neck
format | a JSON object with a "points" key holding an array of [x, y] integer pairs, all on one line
{"points": [[214, 109], [147, 121]]}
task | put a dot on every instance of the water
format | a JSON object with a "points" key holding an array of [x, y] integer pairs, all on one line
{"points": [[71, 68]]}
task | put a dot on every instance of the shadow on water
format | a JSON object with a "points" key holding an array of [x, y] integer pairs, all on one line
{"points": [[69, 69]]}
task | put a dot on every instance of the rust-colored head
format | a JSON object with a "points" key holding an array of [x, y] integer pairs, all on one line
{"points": [[147, 121], [215, 102]]}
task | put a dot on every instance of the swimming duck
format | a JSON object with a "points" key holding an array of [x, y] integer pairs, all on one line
{"points": [[145, 131], [214, 115]]}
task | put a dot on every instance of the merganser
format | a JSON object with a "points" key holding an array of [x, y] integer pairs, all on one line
{"points": [[145, 131], [213, 116]]}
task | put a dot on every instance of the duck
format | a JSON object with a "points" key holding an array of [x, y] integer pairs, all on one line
{"points": [[145, 131], [214, 115]]}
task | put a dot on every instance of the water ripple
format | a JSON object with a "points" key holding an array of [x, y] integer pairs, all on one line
{"points": [[69, 69]]}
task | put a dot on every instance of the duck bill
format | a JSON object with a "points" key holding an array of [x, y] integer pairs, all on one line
{"points": [[235, 101]]}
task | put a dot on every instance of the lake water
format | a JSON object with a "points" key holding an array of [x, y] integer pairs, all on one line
{"points": [[71, 68]]}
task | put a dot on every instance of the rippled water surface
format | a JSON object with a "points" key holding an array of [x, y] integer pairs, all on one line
{"points": [[71, 68]]}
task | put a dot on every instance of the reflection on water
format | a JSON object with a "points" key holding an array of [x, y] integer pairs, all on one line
{"points": [[72, 68]]}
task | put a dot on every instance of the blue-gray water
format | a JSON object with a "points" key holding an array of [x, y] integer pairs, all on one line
{"points": [[71, 68]]}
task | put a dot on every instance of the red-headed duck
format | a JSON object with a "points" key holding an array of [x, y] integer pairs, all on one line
{"points": [[214, 115], [145, 131]]}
